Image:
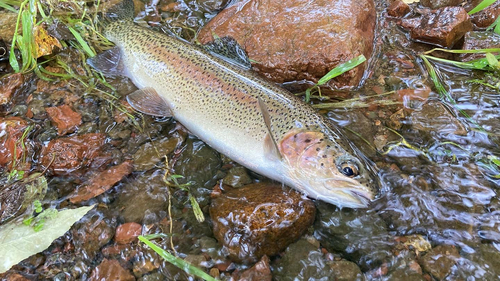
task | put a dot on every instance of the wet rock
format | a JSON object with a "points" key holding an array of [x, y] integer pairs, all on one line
{"points": [[436, 4], [307, 261], [435, 117], [92, 232], [127, 232], [11, 146], [259, 271], [475, 40], [111, 270], [278, 36], [237, 177], [7, 25], [66, 155], [487, 16], [260, 219], [8, 85], [142, 197], [198, 164], [101, 182], [398, 9], [442, 27], [439, 261], [150, 153], [64, 118], [358, 234]]}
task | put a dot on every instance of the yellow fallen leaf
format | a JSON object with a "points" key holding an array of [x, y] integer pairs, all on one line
{"points": [[45, 44]]}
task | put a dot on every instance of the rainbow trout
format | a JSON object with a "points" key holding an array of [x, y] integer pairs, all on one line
{"points": [[251, 120]]}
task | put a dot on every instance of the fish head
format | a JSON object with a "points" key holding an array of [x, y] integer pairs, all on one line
{"points": [[325, 167]]}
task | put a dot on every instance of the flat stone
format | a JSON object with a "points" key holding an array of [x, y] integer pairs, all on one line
{"points": [[474, 40], [64, 118], [299, 39], [101, 182], [11, 131], [111, 270], [442, 27], [436, 4], [260, 219], [8, 85], [439, 261], [65, 155], [127, 232], [487, 16], [434, 116], [398, 9], [260, 271]]}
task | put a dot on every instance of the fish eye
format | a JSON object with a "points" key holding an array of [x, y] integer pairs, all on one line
{"points": [[349, 169]]}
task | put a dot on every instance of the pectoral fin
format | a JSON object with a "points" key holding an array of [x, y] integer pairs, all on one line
{"points": [[109, 62], [148, 101], [270, 144]]}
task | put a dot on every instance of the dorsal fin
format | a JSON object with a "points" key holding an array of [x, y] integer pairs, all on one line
{"points": [[270, 144], [109, 62], [228, 49], [148, 101]]}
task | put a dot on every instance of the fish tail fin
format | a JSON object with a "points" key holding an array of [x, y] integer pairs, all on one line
{"points": [[123, 10]]}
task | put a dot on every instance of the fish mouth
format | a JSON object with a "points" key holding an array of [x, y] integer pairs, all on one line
{"points": [[353, 196]]}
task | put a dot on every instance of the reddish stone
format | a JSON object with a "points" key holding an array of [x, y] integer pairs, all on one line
{"points": [[8, 85], [11, 132], [111, 270], [127, 232], [398, 9], [406, 95], [436, 4], [442, 27], [299, 39], [475, 40], [100, 183], [65, 119], [260, 219], [66, 155], [487, 16], [260, 271]]}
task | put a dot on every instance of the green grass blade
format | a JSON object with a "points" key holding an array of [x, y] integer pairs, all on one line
{"points": [[7, 7], [82, 42], [481, 6], [180, 263], [341, 69]]}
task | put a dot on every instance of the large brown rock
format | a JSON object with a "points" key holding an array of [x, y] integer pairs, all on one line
{"points": [[260, 219], [475, 40], [299, 39]]}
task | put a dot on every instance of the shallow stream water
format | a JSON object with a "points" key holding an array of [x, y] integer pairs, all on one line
{"points": [[437, 216]]}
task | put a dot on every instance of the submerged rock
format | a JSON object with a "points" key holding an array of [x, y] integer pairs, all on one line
{"points": [[305, 261], [111, 270], [486, 17], [260, 219], [127, 232], [434, 116], [66, 155], [442, 27], [436, 4], [475, 40], [260, 271], [299, 39], [150, 153], [9, 84], [358, 234], [64, 118], [11, 146], [439, 261]]}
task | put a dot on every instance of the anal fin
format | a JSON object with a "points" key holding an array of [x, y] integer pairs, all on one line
{"points": [[149, 102]]}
